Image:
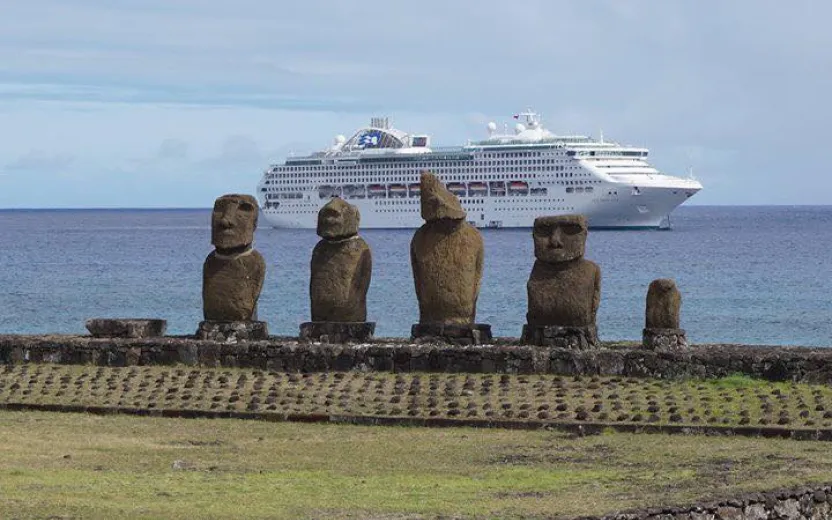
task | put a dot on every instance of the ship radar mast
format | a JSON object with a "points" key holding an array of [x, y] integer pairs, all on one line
{"points": [[532, 118]]}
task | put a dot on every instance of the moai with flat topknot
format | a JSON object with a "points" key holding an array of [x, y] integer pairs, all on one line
{"points": [[233, 274], [564, 289], [341, 269], [661, 320], [446, 255]]}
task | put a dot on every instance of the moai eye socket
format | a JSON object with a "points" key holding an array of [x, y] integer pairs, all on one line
{"points": [[245, 206], [572, 229], [544, 230]]}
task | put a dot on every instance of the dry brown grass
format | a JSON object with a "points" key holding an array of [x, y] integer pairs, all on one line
{"points": [[79, 465], [113, 467]]}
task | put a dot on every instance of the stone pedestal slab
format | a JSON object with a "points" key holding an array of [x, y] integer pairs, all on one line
{"points": [[232, 331], [126, 327], [576, 338], [338, 332], [653, 338], [473, 334]]}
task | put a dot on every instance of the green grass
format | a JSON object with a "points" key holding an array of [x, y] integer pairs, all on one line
{"points": [[728, 402], [79, 465], [736, 381]]}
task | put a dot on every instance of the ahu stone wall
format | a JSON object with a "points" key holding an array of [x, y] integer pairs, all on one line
{"points": [[799, 364], [810, 503]]}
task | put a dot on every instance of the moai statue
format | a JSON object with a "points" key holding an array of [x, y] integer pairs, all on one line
{"points": [[446, 255], [564, 288], [232, 275], [661, 320], [341, 269]]}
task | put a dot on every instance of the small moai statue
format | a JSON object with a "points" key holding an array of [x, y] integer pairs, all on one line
{"points": [[341, 269], [232, 275], [564, 289], [446, 255], [661, 320]]}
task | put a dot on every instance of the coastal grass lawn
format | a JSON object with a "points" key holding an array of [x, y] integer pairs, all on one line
{"points": [[88, 466]]}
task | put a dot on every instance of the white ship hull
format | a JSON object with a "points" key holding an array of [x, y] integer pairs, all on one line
{"points": [[503, 182], [649, 209]]}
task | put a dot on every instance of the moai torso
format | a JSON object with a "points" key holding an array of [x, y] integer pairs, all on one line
{"points": [[564, 289], [446, 255], [341, 266], [232, 275], [447, 259], [231, 286], [663, 304], [564, 294]]}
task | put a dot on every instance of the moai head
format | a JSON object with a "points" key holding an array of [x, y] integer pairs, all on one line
{"points": [[337, 220], [559, 239], [437, 201], [233, 221], [663, 304]]}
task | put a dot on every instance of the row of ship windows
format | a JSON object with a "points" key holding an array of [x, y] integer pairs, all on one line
{"points": [[513, 209], [468, 203], [565, 183], [501, 159], [489, 166], [410, 211], [465, 200], [496, 196], [520, 154], [533, 208], [449, 178], [500, 156]]}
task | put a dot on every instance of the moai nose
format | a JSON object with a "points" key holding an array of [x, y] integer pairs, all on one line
{"points": [[555, 240], [225, 221]]}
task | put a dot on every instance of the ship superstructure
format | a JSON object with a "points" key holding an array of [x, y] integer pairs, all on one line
{"points": [[505, 180]]}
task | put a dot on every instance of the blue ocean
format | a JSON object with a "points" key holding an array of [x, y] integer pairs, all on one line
{"points": [[757, 275]]}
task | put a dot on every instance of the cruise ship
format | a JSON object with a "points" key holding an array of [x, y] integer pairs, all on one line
{"points": [[503, 181]]}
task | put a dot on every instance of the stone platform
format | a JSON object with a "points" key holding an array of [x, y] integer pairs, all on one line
{"points": [[232, 331], [126, 327], [664, 339], [338, 332], [398, 355], [575, 338], [473, 334]]}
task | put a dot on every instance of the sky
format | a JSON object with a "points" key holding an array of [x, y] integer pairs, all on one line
{"points": [[171, 103]]}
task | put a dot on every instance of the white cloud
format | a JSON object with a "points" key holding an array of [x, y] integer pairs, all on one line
{"points": [[36, 161]]}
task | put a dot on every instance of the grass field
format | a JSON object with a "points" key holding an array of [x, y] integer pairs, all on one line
{"points": [[85, 466], [727, 402]]}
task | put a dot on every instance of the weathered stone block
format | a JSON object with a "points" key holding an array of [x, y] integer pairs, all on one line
{"points": [[820, 511], [232, 331], [446, 255], [233, 274], [564, 289], [729, 513], [653, 338], [787, 509], [574, 338], [663, 305], [341, 266], [338, 332], [126, 327], [467, 334]]}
